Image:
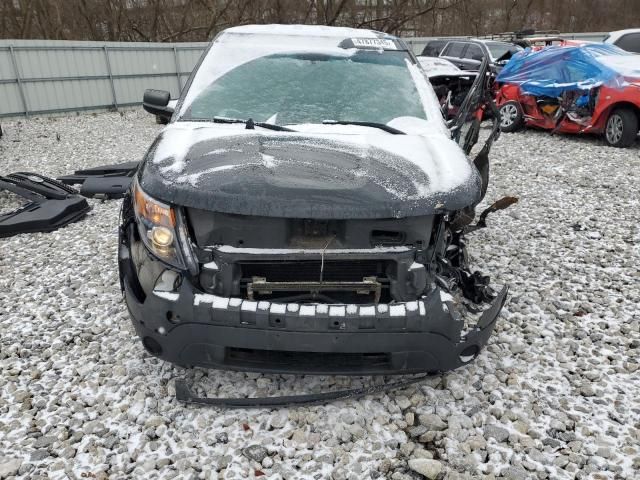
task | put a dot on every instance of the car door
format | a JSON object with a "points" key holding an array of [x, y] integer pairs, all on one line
{"points": [[454, 52], [472, 57], [465, 127], [629, 42]]}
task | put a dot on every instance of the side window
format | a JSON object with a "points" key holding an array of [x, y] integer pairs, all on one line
{"points": [[454, 49], [630, 42], [433, 48], [474, 52]]}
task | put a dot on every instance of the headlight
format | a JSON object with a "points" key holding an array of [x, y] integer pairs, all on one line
{"points": [[157, 226]]}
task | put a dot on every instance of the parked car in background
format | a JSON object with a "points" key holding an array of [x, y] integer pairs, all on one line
{"points": [[468, 54], [305, 210], [433, 47], [628, 40], [591, 88]]}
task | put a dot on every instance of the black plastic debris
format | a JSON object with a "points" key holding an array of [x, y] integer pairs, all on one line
{"points": [[50, 204], [107, 181]]}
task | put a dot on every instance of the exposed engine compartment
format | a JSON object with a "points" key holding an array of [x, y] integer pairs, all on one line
{"points": [[358, 261]]}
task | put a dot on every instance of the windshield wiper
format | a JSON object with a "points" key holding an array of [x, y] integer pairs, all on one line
{"points": [[381, 126], [250, 124]]}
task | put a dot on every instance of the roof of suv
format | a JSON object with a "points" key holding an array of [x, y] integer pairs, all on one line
{"points": [[307, 31]]}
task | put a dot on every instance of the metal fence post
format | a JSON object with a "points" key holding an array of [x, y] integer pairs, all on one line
{"points": [[113, 89], [175, 57], [19, 80]]}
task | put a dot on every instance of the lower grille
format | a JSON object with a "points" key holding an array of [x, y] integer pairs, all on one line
{"points": [[307, 361]]}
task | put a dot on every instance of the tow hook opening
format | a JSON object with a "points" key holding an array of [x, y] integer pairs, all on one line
{"points": [[469, 353]]}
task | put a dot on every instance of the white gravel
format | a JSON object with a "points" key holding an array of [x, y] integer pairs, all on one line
{"points": [[555, 395]]}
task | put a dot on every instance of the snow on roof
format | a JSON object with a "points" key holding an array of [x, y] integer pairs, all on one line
{"points": [[305, 31]]}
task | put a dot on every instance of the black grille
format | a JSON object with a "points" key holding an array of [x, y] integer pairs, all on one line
{"points": [[307, 361], [309, 271]]}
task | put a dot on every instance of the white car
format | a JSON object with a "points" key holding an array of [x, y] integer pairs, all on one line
{"points": [[628, 39], [450, 83], [440, 67]]}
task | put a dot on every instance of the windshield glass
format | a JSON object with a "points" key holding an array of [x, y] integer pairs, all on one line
{"points": [[366, 86], [497, 49]]}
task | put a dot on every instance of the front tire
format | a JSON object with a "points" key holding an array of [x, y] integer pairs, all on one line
{"points": [[511, 116], [621, 128]]}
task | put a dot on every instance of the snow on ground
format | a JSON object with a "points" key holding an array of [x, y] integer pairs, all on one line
{"points": [[555, 394]]}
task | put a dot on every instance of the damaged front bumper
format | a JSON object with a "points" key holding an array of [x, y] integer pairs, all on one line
{"points": [[188, 327]]}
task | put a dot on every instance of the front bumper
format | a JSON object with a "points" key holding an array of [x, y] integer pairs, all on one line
{"points": [[188, 327]]}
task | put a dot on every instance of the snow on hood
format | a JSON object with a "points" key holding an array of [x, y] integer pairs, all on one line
{"points": [[339, 170], [440, 67], [435, 155]]}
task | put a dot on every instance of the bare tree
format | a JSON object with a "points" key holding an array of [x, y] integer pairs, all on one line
{"points": [[198, 20]]}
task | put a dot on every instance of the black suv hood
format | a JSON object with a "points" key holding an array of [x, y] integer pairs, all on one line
{"points": [[299, 175]]}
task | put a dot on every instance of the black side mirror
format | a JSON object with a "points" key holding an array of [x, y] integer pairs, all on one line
{"points": [[156, 102], [477, 57]]}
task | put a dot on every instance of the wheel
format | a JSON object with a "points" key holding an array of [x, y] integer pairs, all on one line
{"points": [[511, 116], [621, 128]]}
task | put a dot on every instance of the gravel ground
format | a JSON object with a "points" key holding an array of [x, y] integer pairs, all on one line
{"points": [[555, 394]]}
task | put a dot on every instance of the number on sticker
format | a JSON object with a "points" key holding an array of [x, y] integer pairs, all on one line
{"points": [[374, 43]]}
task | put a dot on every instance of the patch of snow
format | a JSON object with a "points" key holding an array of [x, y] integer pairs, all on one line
{"points": [[445, 297], [262, 305], [336, 311], [220, 303], [166, 295], [322, 308], [352, 309], [307, 310], [210, 266], [268, 160], [235, 302], [369, 311], [412, 306], [397, 310], [249, 306], [194, 177], [199, 298], [278, 308]]}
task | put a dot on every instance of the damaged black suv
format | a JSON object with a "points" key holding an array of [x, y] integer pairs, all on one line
{"points": [[305, 210]]}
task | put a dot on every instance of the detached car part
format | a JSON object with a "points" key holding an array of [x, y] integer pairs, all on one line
{"points": [[49, 204], [289, 226], [107, 181]]}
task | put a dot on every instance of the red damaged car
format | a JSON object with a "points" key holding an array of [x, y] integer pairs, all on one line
{"points": [[590, 88]]}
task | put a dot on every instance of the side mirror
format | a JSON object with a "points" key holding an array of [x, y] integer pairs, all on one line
{"points": [[156, 102], [477, 57]]}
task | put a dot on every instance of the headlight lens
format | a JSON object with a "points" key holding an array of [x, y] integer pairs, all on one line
{"points": [[157, 226]]}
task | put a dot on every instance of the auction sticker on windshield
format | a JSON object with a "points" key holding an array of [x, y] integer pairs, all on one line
{"points": [[374, 43]]}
